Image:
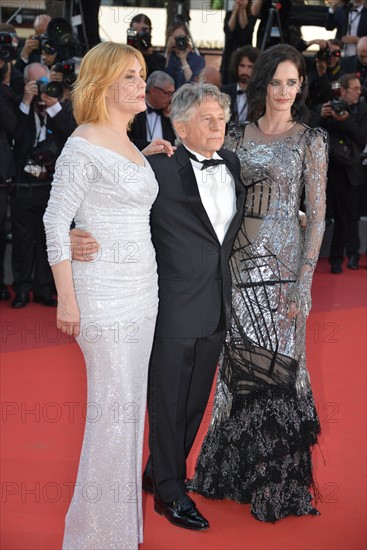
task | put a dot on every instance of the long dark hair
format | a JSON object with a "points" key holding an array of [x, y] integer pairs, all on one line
{"points": [[264, 70]]}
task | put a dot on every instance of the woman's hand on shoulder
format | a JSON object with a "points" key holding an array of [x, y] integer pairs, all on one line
{"points": [[159, 146]]}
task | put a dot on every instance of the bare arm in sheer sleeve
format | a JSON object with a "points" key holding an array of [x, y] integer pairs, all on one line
{"points": [[69, 189], [315, 177]]}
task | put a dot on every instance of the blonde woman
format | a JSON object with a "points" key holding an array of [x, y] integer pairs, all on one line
{"points": [[110, 302]]}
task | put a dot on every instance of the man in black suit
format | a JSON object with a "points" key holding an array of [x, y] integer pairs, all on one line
{"points": [[346, 178], [358, 63], [44, 124], [242, 63], [194, 222], [350, 22], [154, 123]]}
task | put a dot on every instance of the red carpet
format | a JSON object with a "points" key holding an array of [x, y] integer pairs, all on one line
{"points": [[43, 391]]}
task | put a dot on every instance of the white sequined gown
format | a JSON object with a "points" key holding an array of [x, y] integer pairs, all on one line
{"points": [[117, 295], [257, 449]]}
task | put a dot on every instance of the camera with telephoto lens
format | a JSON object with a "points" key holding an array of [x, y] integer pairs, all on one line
{"points": [[142, 41], [44, 44], [59, 36], [181, 42], [52, 89], [70, 70], [326, 54], [8, 46]]}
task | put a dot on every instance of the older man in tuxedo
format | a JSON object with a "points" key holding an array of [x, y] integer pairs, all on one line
{"points": [[155, 122], [194, 222]]}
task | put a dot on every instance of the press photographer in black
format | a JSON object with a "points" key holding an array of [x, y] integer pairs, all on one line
{"points": [[31, 51], [345, 119], [44, 124], [323, 69], [139, 35], [8, 126]]}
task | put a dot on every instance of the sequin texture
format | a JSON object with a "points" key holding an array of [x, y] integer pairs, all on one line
{"points": [[117, 295]]}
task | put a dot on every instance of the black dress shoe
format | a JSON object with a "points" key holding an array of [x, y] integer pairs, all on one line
{"points": [[353, 262], [21, 300], [336, 268], [4, 293], [147, 484], [45, 300], [182, 513]]}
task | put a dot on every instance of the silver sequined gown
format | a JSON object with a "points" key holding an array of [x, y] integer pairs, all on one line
{"points": [[117, 296], [257, 449]]}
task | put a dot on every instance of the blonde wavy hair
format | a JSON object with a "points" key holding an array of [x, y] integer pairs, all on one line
{"points": [[100, 68]]}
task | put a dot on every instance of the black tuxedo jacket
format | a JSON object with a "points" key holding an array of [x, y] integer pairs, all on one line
{"points": [[231, 90], [138, 132], [59, 128], [193, 267]]}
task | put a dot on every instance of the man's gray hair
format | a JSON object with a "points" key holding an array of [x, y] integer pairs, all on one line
{"points": [[189, 96], [158, 79], [29, 67]]}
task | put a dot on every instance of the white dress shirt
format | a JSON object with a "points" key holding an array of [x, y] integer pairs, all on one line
{"points": [[154, 126], [241, 100], [353, 22], [217, 192]]}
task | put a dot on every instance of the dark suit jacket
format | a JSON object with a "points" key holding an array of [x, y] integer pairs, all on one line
{"points": [[8, 127], [138, 132], [231, 90], [59, 128], [193, 270], [337, 20]]}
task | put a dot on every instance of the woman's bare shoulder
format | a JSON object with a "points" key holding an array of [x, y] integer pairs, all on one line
{"points": [[87, 131]]}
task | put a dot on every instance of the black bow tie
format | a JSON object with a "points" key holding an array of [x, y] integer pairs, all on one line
{"points": [[207, 162], [211, 162], [152, 110], [240, 92]]}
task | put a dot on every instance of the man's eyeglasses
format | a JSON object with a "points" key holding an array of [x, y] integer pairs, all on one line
{"points": [[168, 94]]}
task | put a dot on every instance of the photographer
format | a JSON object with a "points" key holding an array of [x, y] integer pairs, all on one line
{"points": [[350, 21], [358, 64], [44, 124], [140, 37], [31, 51], [8, 53], [8, 124], [182, 63], [322, 70], [345, 119]]}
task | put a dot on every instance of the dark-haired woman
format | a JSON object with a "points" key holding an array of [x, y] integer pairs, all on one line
{"points": [[182, 63], [258, 447]]}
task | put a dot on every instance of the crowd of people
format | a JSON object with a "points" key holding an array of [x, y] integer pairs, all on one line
{"points": [[165, 196]]}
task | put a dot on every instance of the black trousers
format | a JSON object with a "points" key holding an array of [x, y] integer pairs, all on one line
{"points": [[3, 208], [345, 201], [180, 379], [29, 254]]}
